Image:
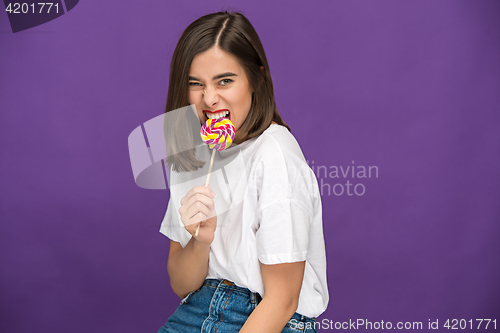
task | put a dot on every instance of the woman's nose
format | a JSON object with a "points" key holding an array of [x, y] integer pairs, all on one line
{"points": [[210, 96]]}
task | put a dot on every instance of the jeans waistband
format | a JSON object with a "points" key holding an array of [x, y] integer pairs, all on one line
{"points": [[223, 283], [254, 297]]}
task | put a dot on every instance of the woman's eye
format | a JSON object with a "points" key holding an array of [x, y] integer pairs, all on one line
{"points": [[225, 81], [195, 84]]}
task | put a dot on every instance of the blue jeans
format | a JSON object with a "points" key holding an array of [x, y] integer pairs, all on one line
{"points": [[221, 306]]}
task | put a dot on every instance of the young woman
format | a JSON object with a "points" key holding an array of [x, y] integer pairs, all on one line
{"points": [[260, 266]]}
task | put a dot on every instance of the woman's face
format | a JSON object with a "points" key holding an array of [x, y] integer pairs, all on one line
{"points": [[218, 86]]}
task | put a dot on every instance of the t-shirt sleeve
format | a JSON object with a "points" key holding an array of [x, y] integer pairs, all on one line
{"points": [[286, 189], [172, 226], [283, 235]]}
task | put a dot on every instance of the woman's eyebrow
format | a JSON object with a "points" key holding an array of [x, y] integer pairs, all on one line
{"points": [[220, 76]]}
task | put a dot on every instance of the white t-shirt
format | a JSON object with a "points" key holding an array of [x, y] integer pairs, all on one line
{"points": [[269, 211]]}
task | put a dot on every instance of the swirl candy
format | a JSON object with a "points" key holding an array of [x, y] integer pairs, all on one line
{"points": [[218, 134]]}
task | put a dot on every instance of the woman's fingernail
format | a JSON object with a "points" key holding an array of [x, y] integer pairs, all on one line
{"points": [[213, 194]]}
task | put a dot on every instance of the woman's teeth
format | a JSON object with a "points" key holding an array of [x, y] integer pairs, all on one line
{"points": [[217, 115]]}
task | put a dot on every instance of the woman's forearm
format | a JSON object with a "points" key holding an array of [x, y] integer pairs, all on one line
{"points": [[188, 267], [270, 316]]}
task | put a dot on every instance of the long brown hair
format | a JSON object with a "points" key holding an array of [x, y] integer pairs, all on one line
{"points": [[233, 33]]}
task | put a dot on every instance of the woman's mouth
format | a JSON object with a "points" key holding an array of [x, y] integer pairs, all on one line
{"points": [[217, 114]]}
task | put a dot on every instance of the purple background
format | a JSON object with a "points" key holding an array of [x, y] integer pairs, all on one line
{"points": [[412, 87]]}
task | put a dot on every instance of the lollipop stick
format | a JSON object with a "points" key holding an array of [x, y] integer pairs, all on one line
{"points": [[206, 184], [210, 167]]}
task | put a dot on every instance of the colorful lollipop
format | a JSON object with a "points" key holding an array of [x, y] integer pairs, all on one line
{"points": [[218, 134]]}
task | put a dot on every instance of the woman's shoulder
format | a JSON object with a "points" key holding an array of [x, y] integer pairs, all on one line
{"points": [[284, 171], [277, 139]]}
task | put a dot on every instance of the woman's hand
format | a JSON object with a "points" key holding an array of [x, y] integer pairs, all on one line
{"points": [[197, 207]]}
